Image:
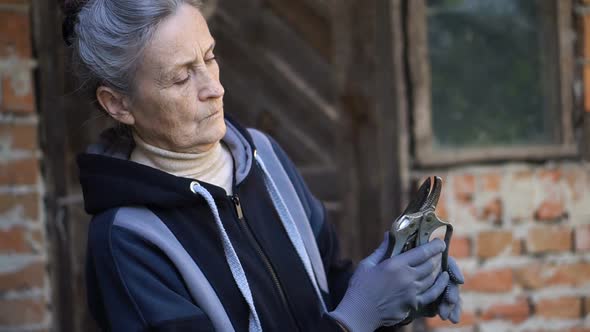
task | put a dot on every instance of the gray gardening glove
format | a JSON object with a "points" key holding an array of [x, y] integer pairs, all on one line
{"points": [[450, 307], [383, 294]]}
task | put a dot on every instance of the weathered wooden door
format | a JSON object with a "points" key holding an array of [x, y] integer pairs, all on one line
{"points": [[319, 76], [323, 77]]}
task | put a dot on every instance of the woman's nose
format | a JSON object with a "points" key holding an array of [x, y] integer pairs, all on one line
{"points": [[212, 90]]}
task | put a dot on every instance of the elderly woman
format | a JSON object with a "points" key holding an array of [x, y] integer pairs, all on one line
{"points": [[199, 224]]}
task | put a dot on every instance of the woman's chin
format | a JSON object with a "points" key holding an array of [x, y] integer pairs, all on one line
{"points": [[216, 129]]}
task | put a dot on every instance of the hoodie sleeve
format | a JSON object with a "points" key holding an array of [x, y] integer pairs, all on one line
{"points": [[338, 270], [132, 286]]}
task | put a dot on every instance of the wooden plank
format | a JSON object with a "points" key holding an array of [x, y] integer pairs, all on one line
{"points": [[278, 113], [359, 104], [311, 24], [79, 222], [566, 68], [348, 224], [266, 82], [280, 40], [419, 76], [392, 108], [53, 143], [585, 139], [324, 182], [444, 158], [279, 79]]}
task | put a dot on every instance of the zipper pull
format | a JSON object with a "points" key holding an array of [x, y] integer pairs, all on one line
{"points": [[238, 207]]}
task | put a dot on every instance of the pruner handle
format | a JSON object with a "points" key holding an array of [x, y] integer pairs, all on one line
{"points": [[402, 238], [429, 225], [418, 233]]}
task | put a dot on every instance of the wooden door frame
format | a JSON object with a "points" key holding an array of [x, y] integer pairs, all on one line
{"points": [[373, 55], [50, 78]]}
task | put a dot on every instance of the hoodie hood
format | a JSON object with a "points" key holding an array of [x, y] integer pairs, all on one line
{"points": [[109, 179]]}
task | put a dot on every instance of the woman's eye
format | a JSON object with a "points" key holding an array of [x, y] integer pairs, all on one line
{"points": [[182, 82], [211, 59]]}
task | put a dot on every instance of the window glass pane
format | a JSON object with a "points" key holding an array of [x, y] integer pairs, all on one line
{"points": [[494, 72]]}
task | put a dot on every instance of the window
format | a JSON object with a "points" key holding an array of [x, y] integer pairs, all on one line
{"points": [[491, 79]]}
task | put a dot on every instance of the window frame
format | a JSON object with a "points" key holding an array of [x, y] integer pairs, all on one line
{"points": [[419, 76]]}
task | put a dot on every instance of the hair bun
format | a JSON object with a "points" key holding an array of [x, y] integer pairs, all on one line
{"points": [[71, 8]]}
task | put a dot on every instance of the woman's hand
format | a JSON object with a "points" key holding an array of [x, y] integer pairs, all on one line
{"points": [[385, 293], [450, 307]]}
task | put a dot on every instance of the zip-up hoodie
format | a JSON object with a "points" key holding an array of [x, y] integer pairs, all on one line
{"points": [[243, 245]]}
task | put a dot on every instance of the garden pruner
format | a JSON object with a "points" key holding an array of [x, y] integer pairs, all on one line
{"points": [[416, 224]]}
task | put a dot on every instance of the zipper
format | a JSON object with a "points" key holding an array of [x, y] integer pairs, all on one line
{"points": [[246, 229], [340, 325]]}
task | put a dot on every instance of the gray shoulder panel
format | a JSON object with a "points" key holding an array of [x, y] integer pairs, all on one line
{"points": [[286, 189], [148, 225]]}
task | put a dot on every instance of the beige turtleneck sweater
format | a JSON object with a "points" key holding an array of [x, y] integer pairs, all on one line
{"points": [[214, 166]]}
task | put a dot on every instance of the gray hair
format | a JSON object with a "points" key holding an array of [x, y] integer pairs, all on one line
{"points": [[110, 37]]}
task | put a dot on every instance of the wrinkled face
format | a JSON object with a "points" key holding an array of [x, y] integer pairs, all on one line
{"points": [[178, 104]]}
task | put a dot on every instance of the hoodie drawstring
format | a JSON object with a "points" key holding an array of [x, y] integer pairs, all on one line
{"points": [[232, 258]]}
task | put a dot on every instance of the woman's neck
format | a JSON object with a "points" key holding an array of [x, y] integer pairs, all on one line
{"points": [[213, 166]]}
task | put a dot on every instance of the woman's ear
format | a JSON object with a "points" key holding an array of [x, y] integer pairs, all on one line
{"points": [[115, 104]]}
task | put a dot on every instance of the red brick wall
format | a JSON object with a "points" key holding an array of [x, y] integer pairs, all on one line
{"points": [[23, 254], [522, 238]]}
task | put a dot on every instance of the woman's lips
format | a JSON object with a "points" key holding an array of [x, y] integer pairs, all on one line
{"points": [[213, 115]]}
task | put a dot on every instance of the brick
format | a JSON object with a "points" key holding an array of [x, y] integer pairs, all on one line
{"points": [[460, 247], [21, 312], [579, 329], [15, 34], [29, 276], [543, 239], [492, 211], [550, 210], [520, 191], [536, 276], [491, 182], [442, 210], [18, 136], [559, 308], [37, 236], [465, 216], [586, 306], [551, 175], [516, 312], [576, 182], [530, 277], [571, 274], [582, 238], [517, 247], [493, 281], [467, 319], [19, 172], [493, 243], [18, 93], [28, 202], [14, 240], [464, 187]]}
